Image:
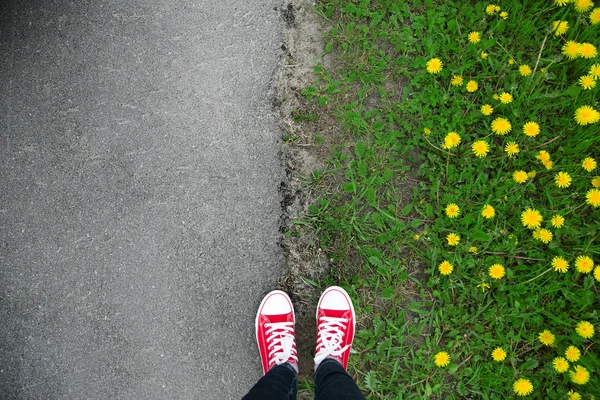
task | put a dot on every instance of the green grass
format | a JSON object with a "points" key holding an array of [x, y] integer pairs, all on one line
{"points": [[382, 219]]}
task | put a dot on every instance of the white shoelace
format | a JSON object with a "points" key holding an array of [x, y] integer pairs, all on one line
{"points": [[329, 342], [280, 337]]}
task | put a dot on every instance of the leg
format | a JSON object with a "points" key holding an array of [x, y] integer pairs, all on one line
{"points": [[335, 333], [280, 383], [274, 325], [333, 382]]}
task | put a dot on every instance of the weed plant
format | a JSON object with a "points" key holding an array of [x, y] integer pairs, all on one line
{"points": [[465, 222]]}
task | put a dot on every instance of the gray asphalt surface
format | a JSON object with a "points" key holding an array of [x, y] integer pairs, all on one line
{"points": [[139, 198]]}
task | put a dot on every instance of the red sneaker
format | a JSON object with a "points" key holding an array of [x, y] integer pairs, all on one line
{"points": [[335, 326], [275, 331]]}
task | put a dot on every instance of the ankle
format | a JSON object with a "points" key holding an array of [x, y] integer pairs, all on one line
{"points": [[293, 364], [337, 359]]}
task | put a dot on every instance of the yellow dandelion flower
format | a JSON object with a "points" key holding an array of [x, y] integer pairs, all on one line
{"points": [[474, 37], [531, 174], [543, 155], [579, 375], [434, 66], [483, 285], [583, 5], [501, 126], [561, 3], [547, 164], [442, 359], [587, 82], [445, 268], [498, 354], [504, 15], [596, 182], [473, 249], [558, 221], [523, 387], [472, 86], [560, 364], [451, 140], [562, 180], [511, 61], [488, 211], [560, 27], [531, 218], [585, 329], [546, 338], [505, 98], [427, 131], [453, 239], [543, 235], [484, 55], [560, 264], [511, 149], [592, 197], [525, 70], [457, 80], [573, 395], [487, 109], [595, 16], [480, 148], [597, 273], [585, 115], [416, 237], [584, 264], [571, 49], [497, 271], [595, 70], [587, 50], [490, 9], [452, 210], [572, 353], [520, 176], [589, 164], [531, 129]]}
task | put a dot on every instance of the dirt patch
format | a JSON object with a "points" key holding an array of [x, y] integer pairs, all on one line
{"points": [[308, 131], [289, 15]]}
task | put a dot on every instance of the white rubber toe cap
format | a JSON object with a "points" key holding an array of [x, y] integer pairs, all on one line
{"points": [[276, 303], [335, 298]]}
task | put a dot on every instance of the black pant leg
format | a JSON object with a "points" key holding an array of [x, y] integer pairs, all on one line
{"points": [[279, 383], [332, 382]]}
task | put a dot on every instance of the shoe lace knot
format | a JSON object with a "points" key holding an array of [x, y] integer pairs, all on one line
{"points": [[330, 338], [280, 339]]}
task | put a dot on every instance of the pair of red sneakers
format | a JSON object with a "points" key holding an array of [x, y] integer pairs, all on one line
{"points": [[275, 328]]}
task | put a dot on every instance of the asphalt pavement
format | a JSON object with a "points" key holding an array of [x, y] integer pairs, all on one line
{"points": [[139, 203]]}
